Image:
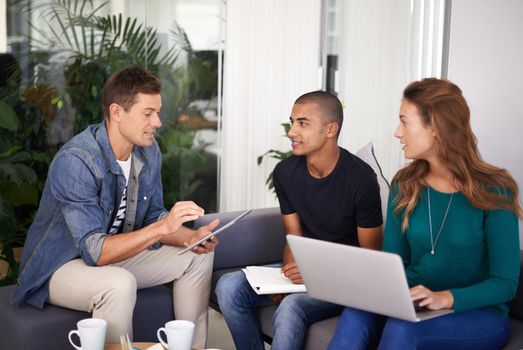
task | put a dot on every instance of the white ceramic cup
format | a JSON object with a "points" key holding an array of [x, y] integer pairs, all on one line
{"points": [[179, 335], [91, 332]]}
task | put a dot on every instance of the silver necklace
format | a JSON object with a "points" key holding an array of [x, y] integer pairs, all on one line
{"points": [[432, 241]]}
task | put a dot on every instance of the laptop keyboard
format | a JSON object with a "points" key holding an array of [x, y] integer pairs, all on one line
{"points": [[419, 308]]}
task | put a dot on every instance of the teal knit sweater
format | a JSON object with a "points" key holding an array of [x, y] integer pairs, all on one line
{"points": [[476, 256]]}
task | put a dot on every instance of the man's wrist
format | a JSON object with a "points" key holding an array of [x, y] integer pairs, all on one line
{"points": [[160, 228]]}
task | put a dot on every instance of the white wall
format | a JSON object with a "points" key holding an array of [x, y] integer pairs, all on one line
{"points": [[486, 61], [375, 61], [384, 45], [3, 27], [271, 58], [200, 19]]}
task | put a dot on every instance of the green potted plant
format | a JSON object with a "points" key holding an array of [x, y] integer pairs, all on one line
{"points": [[275, 154]]}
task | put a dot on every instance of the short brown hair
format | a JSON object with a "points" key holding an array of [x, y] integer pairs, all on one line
{"points": [[123, 86]]}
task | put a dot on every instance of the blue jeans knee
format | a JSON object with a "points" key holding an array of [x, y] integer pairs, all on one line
{"points": [[229, 288]]}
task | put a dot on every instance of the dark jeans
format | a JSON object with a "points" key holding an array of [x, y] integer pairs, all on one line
{"points": [[472, 329]]}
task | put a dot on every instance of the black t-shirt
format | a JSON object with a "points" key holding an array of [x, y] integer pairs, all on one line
{"points": [[330, 208]]}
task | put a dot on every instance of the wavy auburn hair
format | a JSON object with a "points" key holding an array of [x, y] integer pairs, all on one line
{"points": [[442, 106]]}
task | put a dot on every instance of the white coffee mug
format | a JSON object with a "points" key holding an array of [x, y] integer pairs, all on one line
{"points": [[91, 332], [179, 335]]}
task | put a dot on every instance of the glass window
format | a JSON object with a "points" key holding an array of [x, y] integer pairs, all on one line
{"points": [[330, 38], [56, 56]]}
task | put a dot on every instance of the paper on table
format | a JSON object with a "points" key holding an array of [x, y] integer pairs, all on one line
{"points": [[270, 280]]}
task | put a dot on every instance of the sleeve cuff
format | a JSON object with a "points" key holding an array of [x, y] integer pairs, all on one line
{"points": [[92, 248], [162, 215]]}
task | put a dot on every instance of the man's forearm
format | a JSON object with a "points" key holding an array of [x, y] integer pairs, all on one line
{"points": [[123, 246], [179, 237], [292, 226], [287, 255]]}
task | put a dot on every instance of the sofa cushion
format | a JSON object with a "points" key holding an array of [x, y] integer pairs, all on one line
{"points": [[516, 305], [265, 316], [366, 153], [26, 328], [516, 335], [153, 309], [21, 326], [320, 334], [257, 239]]}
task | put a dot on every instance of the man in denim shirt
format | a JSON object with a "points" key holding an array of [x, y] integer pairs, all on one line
{"points": [[101, 230]]}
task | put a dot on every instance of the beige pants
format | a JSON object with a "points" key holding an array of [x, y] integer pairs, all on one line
{"points": [[109, 292]]}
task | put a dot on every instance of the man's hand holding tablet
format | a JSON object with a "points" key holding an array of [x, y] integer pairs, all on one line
{"points": [[205, 239], [204, 231]]}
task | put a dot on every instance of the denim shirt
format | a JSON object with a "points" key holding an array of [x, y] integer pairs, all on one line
{"points": [[80, 199]]}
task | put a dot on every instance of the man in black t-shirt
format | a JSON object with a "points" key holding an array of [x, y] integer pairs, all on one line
{"points": [[326, 193]]}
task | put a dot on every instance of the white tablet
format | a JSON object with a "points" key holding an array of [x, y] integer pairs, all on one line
{"points": [[224, 227]]}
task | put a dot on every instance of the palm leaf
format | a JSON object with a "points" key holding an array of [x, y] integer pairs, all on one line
{"points": [[73, 31], [17, 173], [180, 37], [9, 119], [63, 27]]}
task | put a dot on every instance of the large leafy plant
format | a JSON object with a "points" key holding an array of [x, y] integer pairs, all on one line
{"points": [[19, 188], [92, 48], [95, 46]]}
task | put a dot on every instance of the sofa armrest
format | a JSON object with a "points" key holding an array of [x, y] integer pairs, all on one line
{"points": [[516, 305], [256, 239]]}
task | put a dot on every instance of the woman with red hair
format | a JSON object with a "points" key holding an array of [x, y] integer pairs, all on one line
{"points": [[453, 219]]}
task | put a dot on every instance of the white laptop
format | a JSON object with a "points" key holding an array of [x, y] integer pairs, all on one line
{"points": [[361, 278]]}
